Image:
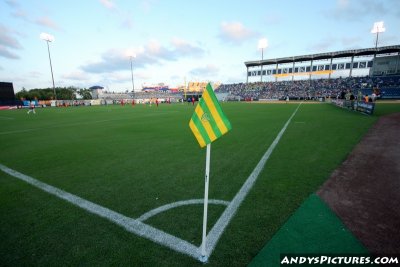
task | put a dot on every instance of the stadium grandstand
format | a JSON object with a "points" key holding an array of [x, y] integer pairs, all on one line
{"points": [[387, 87], [201, 86], [359, 62], [310, 77], [320, 76]]}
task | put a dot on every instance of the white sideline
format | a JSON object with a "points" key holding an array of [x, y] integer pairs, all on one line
{"points": [[131, 225], [223, 221], [139, 228]]}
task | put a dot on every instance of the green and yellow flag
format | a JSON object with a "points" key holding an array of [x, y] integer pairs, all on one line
{"points": [[209, 121]]}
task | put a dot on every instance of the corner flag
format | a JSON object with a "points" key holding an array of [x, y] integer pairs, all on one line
{"points": [[209, 121]]}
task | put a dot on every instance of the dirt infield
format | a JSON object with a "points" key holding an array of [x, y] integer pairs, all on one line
{"points": [[365, 190]]}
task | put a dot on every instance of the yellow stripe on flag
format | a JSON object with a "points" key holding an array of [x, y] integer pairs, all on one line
{"points": [[208, 121], [197, 134], [214, 113], [206, 124]]}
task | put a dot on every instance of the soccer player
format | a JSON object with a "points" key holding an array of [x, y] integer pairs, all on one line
{"points": [[31, 108]]}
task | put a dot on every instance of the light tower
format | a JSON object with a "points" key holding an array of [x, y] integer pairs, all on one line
{"points": [[133, 84], [49, 38], [377, 28], [262, 44]]}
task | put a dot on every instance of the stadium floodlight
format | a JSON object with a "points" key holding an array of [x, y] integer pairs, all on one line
{"points": [[377, 28], [262, 44], [49, 38]]}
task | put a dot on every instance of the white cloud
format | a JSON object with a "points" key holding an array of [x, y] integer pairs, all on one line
{"points": [[235, 32], [21, 14], [18, 12], [4, 52], [178, 42], [7, 42], [152, 53]]}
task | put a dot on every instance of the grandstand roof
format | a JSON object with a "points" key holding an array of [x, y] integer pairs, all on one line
{"points": [[329, 55], [96, 87]]}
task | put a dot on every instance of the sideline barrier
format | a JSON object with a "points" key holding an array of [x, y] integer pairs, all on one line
{"points": [[363, 107]]}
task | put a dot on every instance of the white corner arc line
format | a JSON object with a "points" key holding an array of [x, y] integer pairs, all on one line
{"points": [[141, 229], [131, 225], [166, 207], [223, 221]]}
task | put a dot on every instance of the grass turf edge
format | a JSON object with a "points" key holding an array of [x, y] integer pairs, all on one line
{"points": [[313, 229]]}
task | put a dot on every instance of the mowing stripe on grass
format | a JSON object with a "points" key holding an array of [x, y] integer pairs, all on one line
{"points": [[6, 118], [80, 123], [53, 126], [158, 210], [18, 131], [131, 225], [223, 221], [139, 228]]}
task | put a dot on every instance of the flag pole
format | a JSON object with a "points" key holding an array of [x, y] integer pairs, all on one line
{"points": [[203, 243]]}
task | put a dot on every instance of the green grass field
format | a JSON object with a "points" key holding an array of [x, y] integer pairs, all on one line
{"points": [[134, 159]]}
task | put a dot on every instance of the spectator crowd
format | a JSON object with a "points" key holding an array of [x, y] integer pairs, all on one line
{"points": [[309, 89]]}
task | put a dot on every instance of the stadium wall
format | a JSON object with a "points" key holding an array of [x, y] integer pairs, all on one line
{"points": [[7, 95]]}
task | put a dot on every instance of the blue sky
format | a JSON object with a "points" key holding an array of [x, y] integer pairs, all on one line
{"points": [[175, 40]]}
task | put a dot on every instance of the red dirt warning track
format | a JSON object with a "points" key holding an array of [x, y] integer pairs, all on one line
{"points": [[365, 190]]}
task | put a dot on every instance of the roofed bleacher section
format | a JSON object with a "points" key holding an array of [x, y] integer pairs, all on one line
{"points": [[389, 87]]}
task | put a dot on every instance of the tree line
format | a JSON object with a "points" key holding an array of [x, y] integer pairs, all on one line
{"points": [[64, 93]]}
